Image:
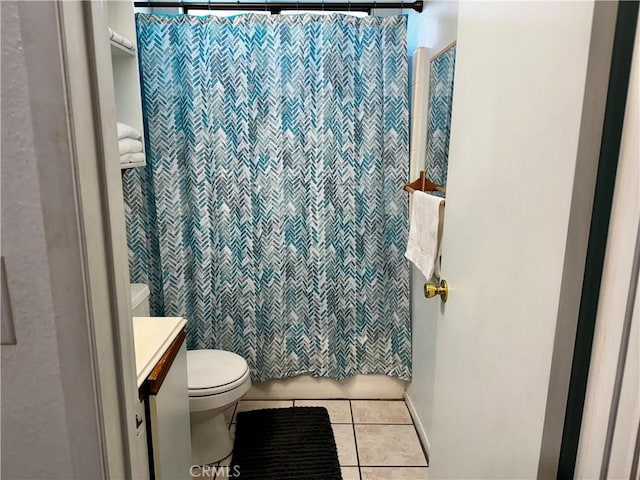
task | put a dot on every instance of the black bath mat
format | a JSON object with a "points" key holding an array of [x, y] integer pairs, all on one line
{"points": [[285, 444]]}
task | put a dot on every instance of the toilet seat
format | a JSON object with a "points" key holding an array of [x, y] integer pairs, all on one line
{"points": [[214, 372], [206, 392]]}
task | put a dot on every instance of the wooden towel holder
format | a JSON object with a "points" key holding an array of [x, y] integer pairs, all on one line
{"points": [[423, 184]]}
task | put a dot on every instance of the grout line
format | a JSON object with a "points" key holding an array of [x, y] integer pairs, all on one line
{"points": [[396, 424], [233, 414], [344, 399], [233, 417], [355, 441]]}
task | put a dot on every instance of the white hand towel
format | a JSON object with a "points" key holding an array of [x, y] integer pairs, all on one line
{"points": [[126, 131], [129, 145], [423, 245], [132, 158]]}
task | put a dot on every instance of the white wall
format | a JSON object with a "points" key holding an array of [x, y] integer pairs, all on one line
{"points": [[435, 27], [49, 425], [432, 29], [30, 382]]}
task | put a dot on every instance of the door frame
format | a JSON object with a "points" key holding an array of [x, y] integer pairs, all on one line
{"points": [[89, 91], [625, 31]]}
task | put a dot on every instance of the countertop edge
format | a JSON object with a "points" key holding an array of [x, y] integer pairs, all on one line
{"points": [[162, 348]]}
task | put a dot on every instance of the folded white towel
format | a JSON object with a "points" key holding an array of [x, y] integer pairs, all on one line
{"points": [[126, 131], [423, 245], [133, 158], [116, 37], [129, 145]]}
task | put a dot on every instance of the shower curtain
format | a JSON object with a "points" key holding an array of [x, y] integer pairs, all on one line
{"points": [[271, 213]]}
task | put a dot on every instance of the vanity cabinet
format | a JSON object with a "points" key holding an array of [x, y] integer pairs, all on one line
{"points": [[141, 464], [161, 362], [168, 414]]}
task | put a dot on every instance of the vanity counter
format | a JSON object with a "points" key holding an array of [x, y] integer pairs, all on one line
{"points": [[152, 337]]}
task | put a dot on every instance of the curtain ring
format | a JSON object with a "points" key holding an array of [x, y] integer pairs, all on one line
{"points": [[265, 5], [401, 6], [237, 4], [297, 5], [323, 5], [209, 5], [349, 9]]}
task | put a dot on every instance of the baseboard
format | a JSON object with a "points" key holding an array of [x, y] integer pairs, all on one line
{"points": [[422, 434], [370, 387]]}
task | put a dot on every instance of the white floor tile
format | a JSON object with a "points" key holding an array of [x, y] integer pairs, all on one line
{"points": [[224, 470], [350, 473], [339, 410], [380, 411], [346, 444], [394, 473], [389, 445]]}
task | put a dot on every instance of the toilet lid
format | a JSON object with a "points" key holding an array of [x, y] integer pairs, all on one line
{"points": [[207, 369]]}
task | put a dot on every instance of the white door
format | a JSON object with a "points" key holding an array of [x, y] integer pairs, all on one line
{"points": [[523, 153]]}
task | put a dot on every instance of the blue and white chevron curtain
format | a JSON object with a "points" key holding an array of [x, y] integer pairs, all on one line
{"points": [[271, 213]]}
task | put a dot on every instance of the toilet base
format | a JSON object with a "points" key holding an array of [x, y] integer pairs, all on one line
{"points": [[210, 437]]}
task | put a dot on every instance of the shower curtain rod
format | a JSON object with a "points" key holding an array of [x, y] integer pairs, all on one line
{"points": [[277, 6]]}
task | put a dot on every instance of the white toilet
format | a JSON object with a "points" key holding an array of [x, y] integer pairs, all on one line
{"points": [[217, 379], [139, 300]]}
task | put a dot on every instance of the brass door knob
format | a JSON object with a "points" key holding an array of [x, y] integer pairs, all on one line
{"points": [[431, 290]]}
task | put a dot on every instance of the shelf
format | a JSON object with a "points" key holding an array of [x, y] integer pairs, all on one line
{"points": [[120, 50], [127, 166], [121, 20]]}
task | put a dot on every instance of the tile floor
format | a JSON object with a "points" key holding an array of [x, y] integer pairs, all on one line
{"points": [[376, 439]]}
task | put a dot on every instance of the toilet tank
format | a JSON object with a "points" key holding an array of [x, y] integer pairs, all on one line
{"points": [[140, 300]]}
